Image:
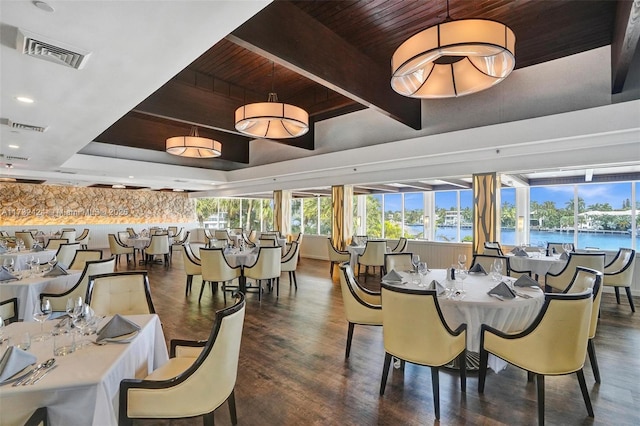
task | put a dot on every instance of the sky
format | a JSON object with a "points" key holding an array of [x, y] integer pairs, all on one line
{"points": [[612, 193]]}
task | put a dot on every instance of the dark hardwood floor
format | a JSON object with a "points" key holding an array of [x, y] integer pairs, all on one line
{"points": [[293, 372]]}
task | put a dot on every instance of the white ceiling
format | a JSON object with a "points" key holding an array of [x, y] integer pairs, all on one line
{"points": [[552, 119]]}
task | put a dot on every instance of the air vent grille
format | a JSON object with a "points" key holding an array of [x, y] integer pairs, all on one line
{"points": [[15, 157], [54, 51], [29, 127]]}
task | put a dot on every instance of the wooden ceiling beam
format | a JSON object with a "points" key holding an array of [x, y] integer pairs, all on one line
{"points": [[626, 33], [290, 37]]}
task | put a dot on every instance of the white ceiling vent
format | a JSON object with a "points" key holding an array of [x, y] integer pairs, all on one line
{"points": [[51, 50], [23, 126]]}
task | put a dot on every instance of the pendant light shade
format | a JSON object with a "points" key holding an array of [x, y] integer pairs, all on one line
{"points": [[272, 119], [455, 58], [193, 146]]}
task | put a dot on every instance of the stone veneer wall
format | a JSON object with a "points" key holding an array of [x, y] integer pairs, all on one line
{"points": [[27, 204]]}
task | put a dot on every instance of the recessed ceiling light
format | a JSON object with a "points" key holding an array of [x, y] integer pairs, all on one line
{"points": [[43, 6], [13, 146], [130, 177], [24, 99]]}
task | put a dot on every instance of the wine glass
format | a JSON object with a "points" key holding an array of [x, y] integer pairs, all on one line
{"points": [[41, 314], [83, 323], [461, 275], [542, 247], [462, 260], [415, 260], [497, 268], [423, 271], [52, 262], [8, 264]]}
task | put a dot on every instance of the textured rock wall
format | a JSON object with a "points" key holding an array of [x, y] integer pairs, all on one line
{"points": [[26, 204]]}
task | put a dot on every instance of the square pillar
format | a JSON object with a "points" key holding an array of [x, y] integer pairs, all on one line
{"points": [[486, 201], [342, 220]]}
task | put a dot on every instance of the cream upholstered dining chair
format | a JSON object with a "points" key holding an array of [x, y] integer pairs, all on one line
{"points": [[493, 248], [361, 306], [9, 310], [247, 241], [82, 257], [268, 242], [584, 279], [560, 281], [192, 266], [208, 236], [158, 245], [117, 249], [83, 239], [558, 248], [398, 262], [131, 232], [92, 267], [253, 235], [619, 273], [66, 253], [124, 293], [289, 263], [221, 234], [172, 230], [554, 344], [69, 234], [216, 269], [180, 239], [217, 243], [402, 246], [428, 341], [26, 237], [54, 243], [266, 267], [373, 255], [190, 385], [487, 261], [336, 256]]}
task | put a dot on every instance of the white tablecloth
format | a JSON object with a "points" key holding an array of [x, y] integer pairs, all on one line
{"points": [[28, 290], [137, 243], [20, 258], [477, 308], [84, 388], [355, 251], [538, 265], [245, 258]]}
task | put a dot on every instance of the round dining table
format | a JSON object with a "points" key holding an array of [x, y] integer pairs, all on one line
{"points": [[474, 306], [537, 263]]}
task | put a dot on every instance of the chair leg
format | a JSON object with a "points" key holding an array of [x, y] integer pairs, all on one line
{"points": [[366, 272], [385, 372], [232, 408], [435, 384], [277, 287], [134, 258], [585, 392], [482, 372], [207, 419], [462, 361], [617, 290], [201, 290], [331, 269], [540, 399], [591, 348], [530, 376], [628, 290], [188, 287], [349, 337]]}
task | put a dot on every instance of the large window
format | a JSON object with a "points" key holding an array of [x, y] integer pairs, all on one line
{"points": [[604, 216], [447, 216], [508, 216], [310, 215], [393, 216], [374, 215], [296, 215], [414, 215], [326, 215], [251, 214]]}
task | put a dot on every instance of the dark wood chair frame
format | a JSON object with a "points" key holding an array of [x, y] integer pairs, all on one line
{"points": [[14, 318]]}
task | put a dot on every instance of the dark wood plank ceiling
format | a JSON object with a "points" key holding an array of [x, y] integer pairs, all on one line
{"points": [[239, 69]]}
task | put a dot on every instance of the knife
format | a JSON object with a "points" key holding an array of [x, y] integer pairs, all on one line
{"points": [[47, 371]]}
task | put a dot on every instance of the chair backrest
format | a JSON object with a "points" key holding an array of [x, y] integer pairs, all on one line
{"points": [[115, 247], [218, 243], [122, 236], [172, 230], [69, 235], [556, 342], [181, 238], [9, 310], [429, 340], [267, 265], [374, 252], [562, 279], [221, 234], [66, 253], [398, 261], [54, 243], [487, 262], [557, 247], [131, 232], [493, 248], [26, 237], [125, 293], [289, 261], [83, 256], [84, 237], [620, 270], [159, 244], [268, 242], [585, 279], [336, 255], [192, 264], [492, 252], [209, 381], [402, 245], [215, 267], [92, 267], [4, 234], [299, 238], [252, 236], [361, 306]]}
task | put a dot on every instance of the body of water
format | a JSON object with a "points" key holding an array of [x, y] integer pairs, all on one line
{"points": [[508, 237]]}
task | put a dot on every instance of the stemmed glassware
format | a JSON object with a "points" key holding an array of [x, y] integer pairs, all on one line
{"points": [[423, 271], [8, 264], [462, 260], [542, 247], [83, 323], [497, 269], [415, 260], [41, 314], [52, 262], [461, 275]]}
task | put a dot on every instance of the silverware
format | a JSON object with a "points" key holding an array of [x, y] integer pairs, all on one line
{"points": [[47, 371], [45, 366], [30, 375]]}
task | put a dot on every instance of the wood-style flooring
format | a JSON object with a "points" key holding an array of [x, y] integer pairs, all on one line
{"points": [[292, 369]]}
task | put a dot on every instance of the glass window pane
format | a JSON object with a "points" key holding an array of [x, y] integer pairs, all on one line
{"points": [[267, 215], [250, 214], [326, 215], [207, 212], [296, 215], [604, 220], [508, 217], [310, 208], [393, 215], [466, 215], [232, 207], [446, 226], [551, 214], [374, 216], [414, 215]]}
